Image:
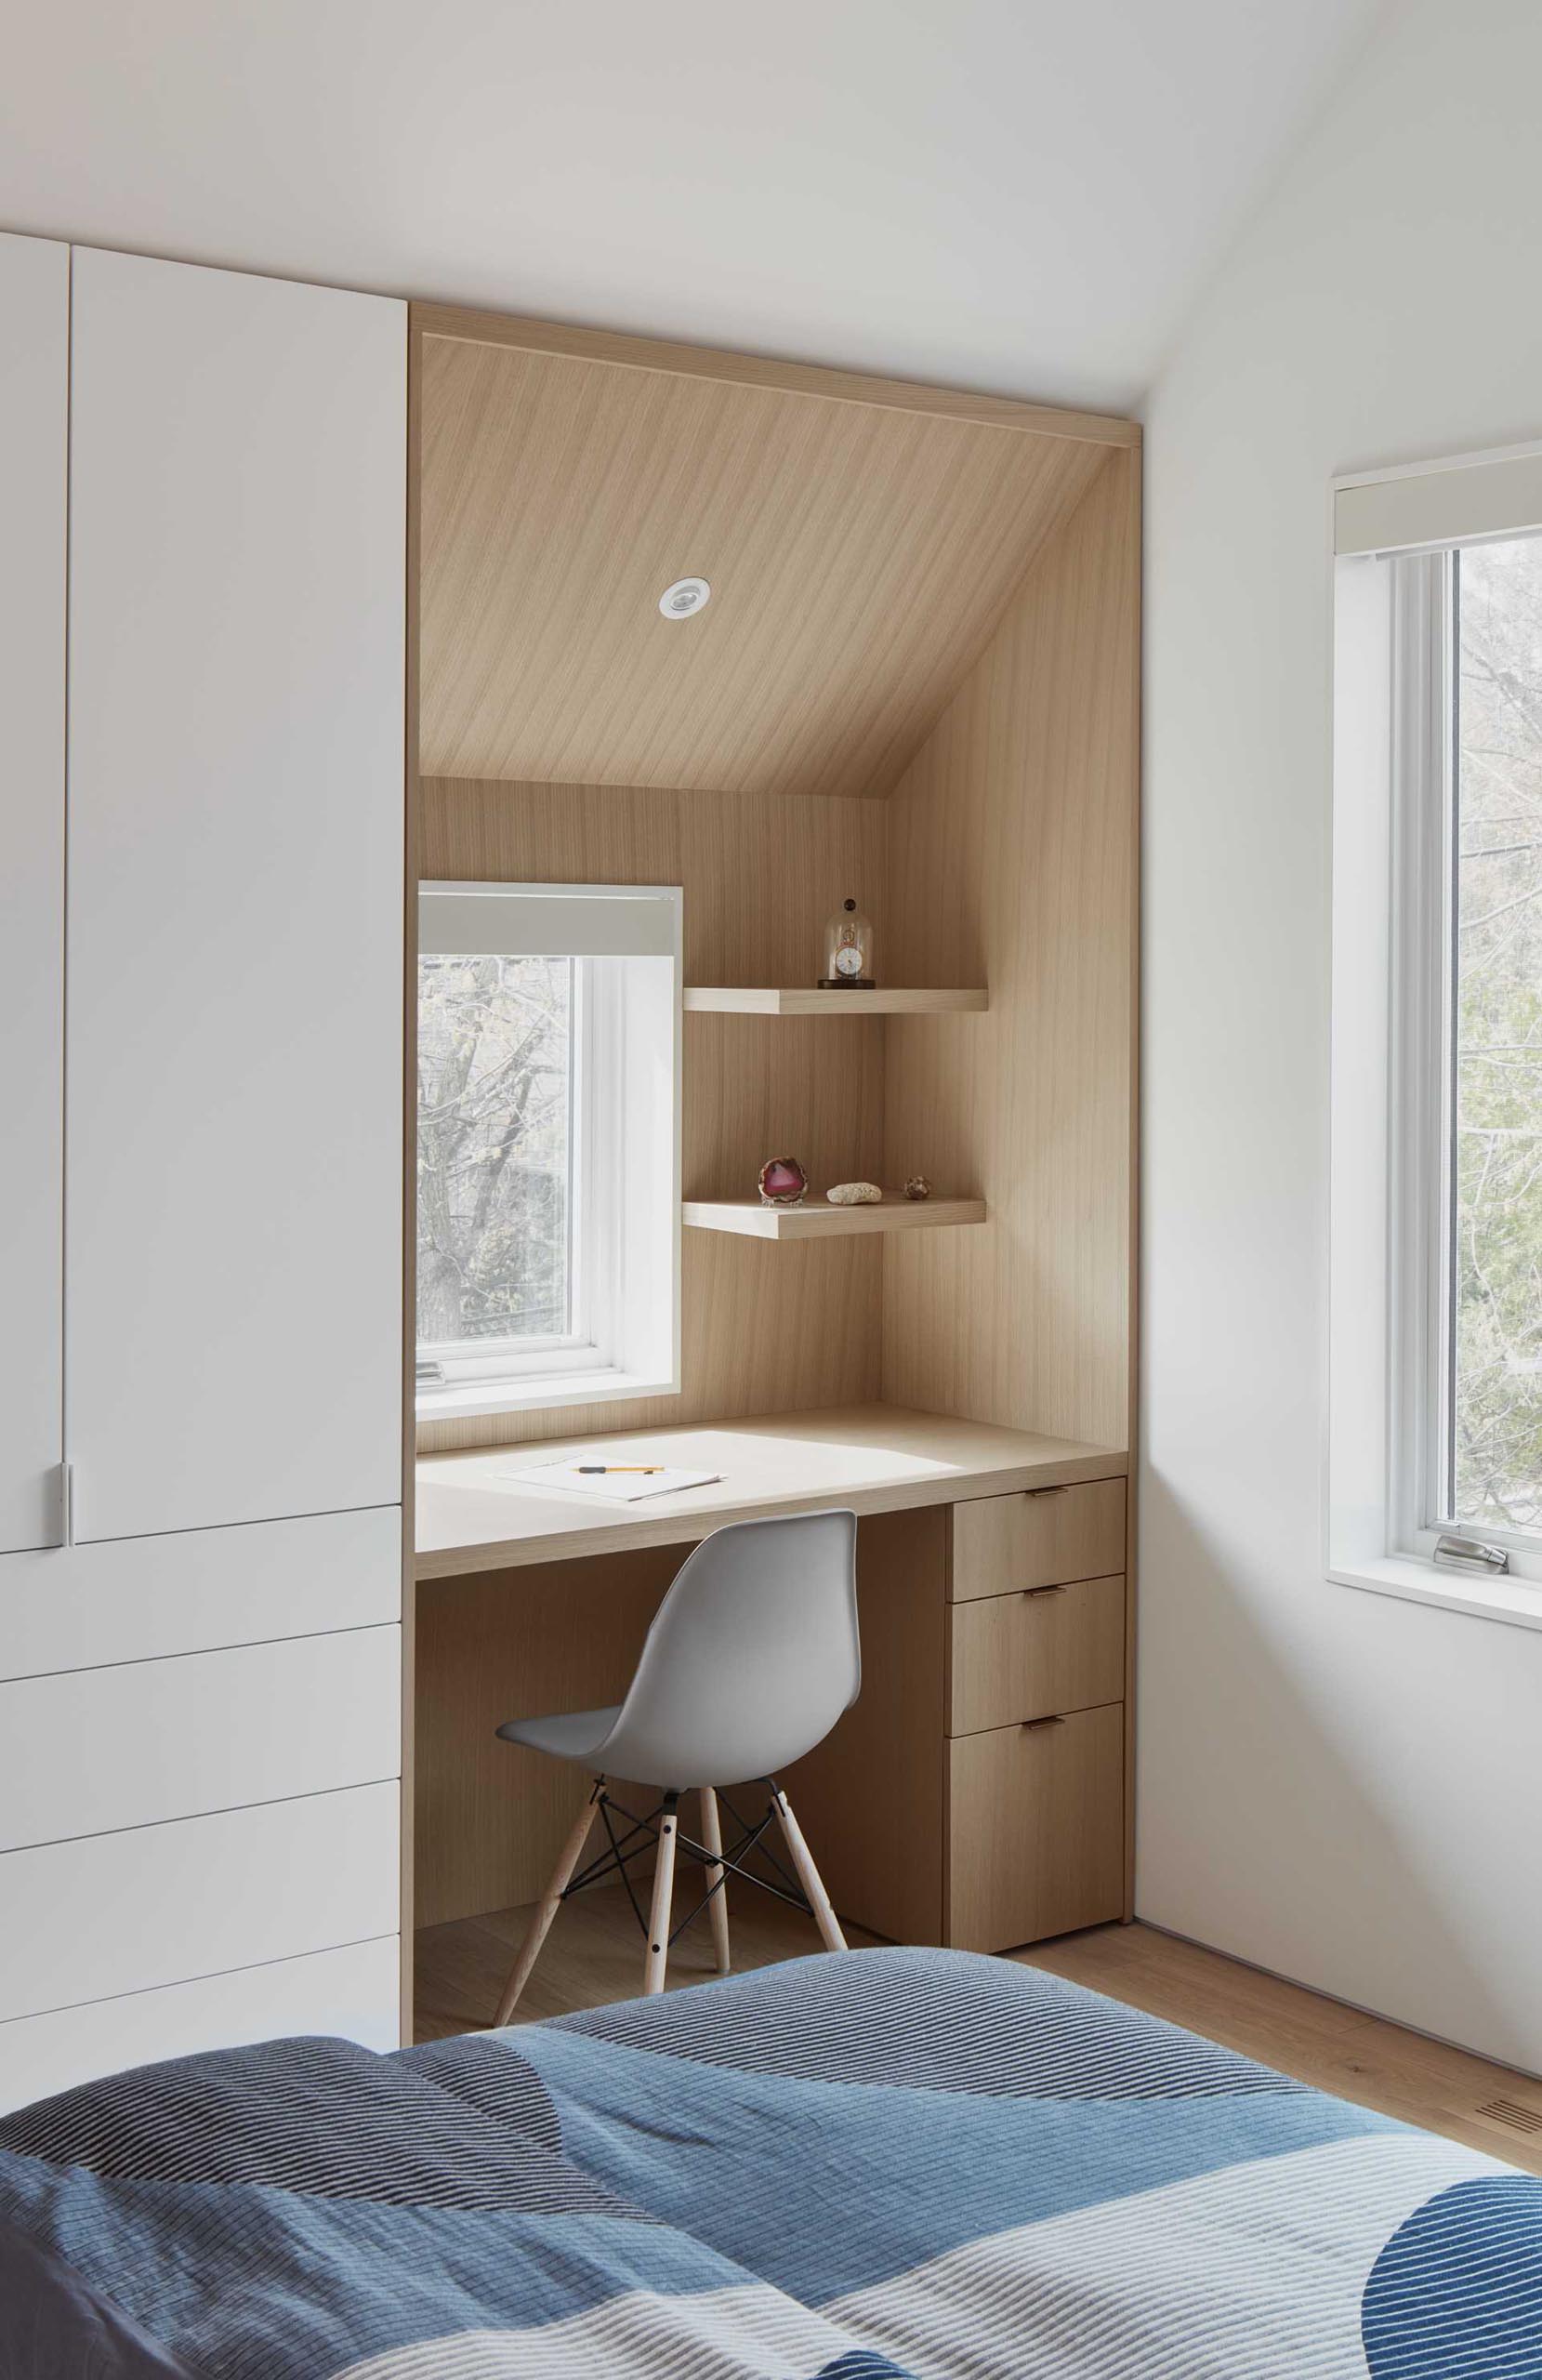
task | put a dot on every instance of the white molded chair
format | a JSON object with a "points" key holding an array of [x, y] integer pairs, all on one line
{"points": [[752, 1656]]}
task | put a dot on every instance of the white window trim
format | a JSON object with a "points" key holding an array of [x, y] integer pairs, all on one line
{"points": [[617, 1240], [1386, 1315], [1419, 1184]]}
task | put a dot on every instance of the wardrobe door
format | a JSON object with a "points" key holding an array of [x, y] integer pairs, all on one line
{"points": [[34, 347], [233, 1323]]}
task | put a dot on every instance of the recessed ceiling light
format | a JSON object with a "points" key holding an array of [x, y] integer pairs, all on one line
{"points": [[685, 599]]}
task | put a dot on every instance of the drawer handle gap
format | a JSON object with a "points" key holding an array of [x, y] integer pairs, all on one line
{"points": [[1044, 1590], [1028, 1724], [1060, 1490]]}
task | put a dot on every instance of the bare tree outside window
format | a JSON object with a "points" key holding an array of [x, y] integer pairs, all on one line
{"points": [[1496, 1275], [495, 1080]]}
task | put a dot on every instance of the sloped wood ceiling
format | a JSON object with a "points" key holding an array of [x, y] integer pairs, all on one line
{"points": [[860, 556]]}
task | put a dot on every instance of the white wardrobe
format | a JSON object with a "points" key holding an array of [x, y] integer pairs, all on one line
{"points": [[201, 636]]}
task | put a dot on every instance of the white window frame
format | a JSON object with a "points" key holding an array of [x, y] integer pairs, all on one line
{"points": [[1390, 1189], [1423, 1036], [1421, 1185], [625, 1159]]}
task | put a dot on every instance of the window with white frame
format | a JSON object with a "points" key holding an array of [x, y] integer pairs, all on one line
{"points": [[548, 1145], [1466, 858], [1436, 1324]]}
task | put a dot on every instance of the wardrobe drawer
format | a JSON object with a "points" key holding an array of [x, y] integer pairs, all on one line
{"points": [[1044, 1650], [93, 1750], [355, 1991], [162, 1904], [82, 1606], [1042, 1539], [1036, 1829]]}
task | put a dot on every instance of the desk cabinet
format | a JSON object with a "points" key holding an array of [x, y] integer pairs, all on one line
{"points": [[974, 1795]]}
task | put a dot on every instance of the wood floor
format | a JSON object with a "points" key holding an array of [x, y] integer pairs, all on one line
{"points": [[594, 1954]]}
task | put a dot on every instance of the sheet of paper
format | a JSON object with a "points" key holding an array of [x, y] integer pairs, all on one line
{"points": [[622, 1486]]}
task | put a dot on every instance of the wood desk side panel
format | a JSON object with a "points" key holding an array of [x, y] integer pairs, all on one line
{"points": [[870, 1798], [1012, 863], [490, 1817]]}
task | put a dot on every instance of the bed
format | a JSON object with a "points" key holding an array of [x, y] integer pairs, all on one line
{"points": [[883, 2165]]}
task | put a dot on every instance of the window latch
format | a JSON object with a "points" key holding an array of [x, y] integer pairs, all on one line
{"points": [[1470, 1553], [429, 1375]]}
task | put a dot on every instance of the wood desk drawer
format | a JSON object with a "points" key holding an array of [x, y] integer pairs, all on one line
{"points": [[1036, 1829], [138, 1744], [1043, 1538], [1046, 1649]]}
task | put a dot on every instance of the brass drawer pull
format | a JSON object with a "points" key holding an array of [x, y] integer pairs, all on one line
{"points": [[1044, 1590], [1043, 1723]]}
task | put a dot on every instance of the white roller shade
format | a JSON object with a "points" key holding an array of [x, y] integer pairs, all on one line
{"points": [[550, 920], [1442, 504]]}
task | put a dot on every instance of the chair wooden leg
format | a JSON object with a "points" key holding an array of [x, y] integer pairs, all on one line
{"points": [[545, 1909], [717, 1908], [664, 1898], [807, 1874]]}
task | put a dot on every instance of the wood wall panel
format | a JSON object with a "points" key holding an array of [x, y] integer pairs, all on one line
{"points": [[860, 556], [489, 1816], [764, 1329], [1012, 863], [870, 1797]]}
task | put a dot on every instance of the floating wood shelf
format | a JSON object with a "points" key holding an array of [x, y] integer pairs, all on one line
{"points": [[736, 1000], [819, 1219]]}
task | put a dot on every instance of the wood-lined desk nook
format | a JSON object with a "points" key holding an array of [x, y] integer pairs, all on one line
{"points": [[912, 697], [974, 1794]]}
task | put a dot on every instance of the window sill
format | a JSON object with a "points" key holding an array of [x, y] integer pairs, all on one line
{"points": [[481, 1398], [1516, 1602]]}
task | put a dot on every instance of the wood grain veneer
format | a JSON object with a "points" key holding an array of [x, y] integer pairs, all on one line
{"points": [[872, 1459], [819, 1219], [858, 554], [761, 1327], [490, 1815], [1011, 861], [1041, 1539], [870, 1797], [1042, 1652], [1036, 1829], [913, 589]]}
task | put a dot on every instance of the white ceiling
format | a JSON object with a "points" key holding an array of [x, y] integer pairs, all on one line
{"points": [[1014, 194]]}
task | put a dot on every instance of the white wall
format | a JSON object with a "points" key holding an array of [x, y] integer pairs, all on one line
{"points": [[1341, 1786]]}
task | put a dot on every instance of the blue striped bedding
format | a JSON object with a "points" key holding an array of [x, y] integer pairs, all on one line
{"points": [[886, 2165]]}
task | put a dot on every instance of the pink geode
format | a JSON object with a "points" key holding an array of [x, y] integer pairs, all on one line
{"points": [[783, 1182]]}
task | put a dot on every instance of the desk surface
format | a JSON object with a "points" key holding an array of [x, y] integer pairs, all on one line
{"points": [[871, 1458]]}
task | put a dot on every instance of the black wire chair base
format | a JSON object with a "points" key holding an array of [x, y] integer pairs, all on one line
{"points": [[640, 1831]]}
